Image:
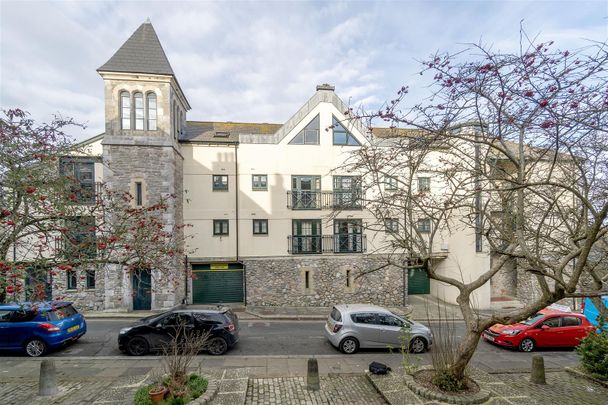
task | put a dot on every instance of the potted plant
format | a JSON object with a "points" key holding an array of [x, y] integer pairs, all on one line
{"points": [[157, 393]]}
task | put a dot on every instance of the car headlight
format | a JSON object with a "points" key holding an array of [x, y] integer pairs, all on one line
{"points": [[510, 332], [125, 330]]}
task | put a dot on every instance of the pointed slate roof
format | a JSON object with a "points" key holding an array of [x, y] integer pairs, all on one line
{"points": [[141, 53]]}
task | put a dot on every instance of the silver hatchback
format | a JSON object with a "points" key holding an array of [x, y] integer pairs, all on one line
{"points": [[350, 327]]}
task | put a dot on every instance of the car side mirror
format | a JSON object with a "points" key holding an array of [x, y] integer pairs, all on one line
{"points": [[545, 327]]}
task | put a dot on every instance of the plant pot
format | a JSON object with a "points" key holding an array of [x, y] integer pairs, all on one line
{"points": [[157, 394]]}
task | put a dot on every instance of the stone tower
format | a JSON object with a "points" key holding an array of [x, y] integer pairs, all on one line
{"points": [[145, 113]]}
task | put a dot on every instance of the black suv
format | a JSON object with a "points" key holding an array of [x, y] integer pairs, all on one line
{"points": [[156, 331]]}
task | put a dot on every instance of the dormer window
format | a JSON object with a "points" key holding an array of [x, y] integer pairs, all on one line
{"points": [[139, 111], [151, 111], [221, 134], [125, 110]]}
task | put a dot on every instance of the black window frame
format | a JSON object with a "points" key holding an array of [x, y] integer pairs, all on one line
{"points": [[90, 279], [139, 193], [424, 187], [302, 137], [388, 183], [71, 280], [424, 229], [79, 232], [222, 222], [391, 221], [259, 231], [219, 185], [75, 168], [257, 185], [338, 128]]}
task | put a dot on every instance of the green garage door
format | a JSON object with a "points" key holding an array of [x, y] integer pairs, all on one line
{"points": [[217, 283], [418, 282]]}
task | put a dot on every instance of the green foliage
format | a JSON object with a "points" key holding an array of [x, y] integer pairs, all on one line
{"points": [[141, 396], [447, 381], [594, 354], [196, 386]]}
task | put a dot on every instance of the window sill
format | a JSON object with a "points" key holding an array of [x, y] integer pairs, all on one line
{"points": [[221, 190], [221, 235], [259, 189], [260, 234]]}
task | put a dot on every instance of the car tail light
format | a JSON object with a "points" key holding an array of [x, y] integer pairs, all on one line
{"points": [[337, 327], [230, 327], [49, 327]]}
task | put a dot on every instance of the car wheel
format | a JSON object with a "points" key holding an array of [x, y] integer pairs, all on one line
{"points": [[217, 346], [35, 348], [418, 345], [349, 345], [137, 346], [526, 345]]}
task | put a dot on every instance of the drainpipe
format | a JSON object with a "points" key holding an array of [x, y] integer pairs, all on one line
{"points": [[236, 194], [186, 279]]}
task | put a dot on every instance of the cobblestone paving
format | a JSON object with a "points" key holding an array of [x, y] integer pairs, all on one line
{"points": [[339, 390], [562, 388]]}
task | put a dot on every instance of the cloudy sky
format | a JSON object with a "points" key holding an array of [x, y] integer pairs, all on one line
{"points": [[260, 61]]}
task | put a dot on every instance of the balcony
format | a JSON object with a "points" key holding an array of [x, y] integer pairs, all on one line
{"points": [[326, 200], [351, 243]]}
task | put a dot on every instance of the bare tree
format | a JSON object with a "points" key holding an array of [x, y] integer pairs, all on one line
{"points": [[516, 148]]}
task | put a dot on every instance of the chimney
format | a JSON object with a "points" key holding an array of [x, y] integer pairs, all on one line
{"points": [[325, 86]]}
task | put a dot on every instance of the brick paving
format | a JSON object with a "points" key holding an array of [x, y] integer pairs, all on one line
{"points": [[339, 390]]}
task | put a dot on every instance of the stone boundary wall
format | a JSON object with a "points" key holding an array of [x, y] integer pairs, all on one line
{"points": [[282, 281]]}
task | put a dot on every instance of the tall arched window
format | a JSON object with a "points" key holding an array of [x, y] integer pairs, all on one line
{"points": [[151, 111], [125, 110], [139, 110]]}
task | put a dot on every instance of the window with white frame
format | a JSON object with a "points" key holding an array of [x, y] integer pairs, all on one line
{"points": [[151, 101], [125, 110], [138, 98]]}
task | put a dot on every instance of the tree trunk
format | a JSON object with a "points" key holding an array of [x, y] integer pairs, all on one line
{"points": [[466, 349]]}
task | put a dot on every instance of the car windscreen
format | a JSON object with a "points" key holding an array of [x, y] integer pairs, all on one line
{"points": [[336, 315], [532, 320], [59, 313]]}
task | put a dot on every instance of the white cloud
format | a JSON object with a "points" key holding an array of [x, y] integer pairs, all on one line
{"points": [[260, 61]]}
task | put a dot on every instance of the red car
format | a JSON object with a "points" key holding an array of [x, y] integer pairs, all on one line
{"points": [[548, 328]]}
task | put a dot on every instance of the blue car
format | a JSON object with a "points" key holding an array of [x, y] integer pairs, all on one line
{"points": [[592, 313], [39, 327]]}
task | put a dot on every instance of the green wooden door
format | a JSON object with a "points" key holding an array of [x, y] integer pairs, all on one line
{"points": [[418, 282], [215, 286], [142, 290]]}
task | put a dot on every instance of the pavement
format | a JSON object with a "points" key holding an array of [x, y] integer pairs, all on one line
{"points": [[273, 380], [420, 308]]}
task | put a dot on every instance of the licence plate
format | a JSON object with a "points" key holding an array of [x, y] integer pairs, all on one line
{"points": [[73, 328], [490, 338]]}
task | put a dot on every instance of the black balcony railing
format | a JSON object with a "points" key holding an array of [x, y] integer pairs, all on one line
{"points": [[347, 243], [317, 200]]}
